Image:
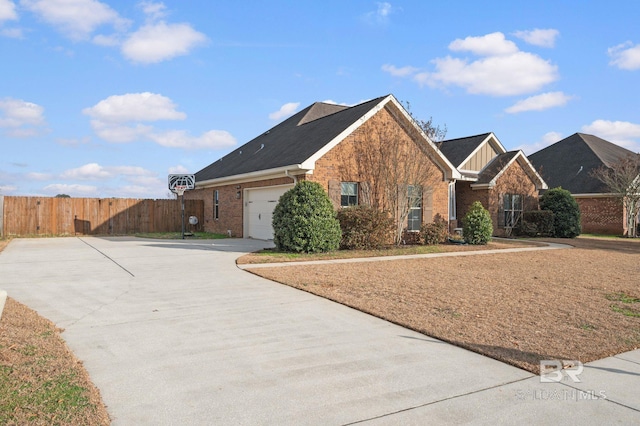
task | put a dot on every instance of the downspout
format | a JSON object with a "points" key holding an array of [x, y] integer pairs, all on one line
{"points": [[295, 179]]}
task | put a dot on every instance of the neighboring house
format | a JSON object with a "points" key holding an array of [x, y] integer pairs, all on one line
{"points": [[506, 183], [569, 164], [241, 189]]}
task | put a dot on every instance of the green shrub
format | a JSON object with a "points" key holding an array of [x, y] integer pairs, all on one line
{"points": [[536, 223], [365, 228], [566, 212], [435, 232], [476, 225], [304, 220]]}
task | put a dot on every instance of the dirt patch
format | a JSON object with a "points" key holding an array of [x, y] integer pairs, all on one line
{"points": [[516, 307], [41, 381]]}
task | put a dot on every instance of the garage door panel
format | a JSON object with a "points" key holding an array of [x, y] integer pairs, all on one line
{"points": [[260, 205]]}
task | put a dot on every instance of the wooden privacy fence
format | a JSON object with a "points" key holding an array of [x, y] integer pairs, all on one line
{"points": [[23, 216]]}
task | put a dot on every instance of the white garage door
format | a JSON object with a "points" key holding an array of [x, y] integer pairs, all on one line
{"points": [[259, 205]]}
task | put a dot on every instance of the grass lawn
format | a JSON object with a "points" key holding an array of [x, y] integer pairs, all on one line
{"points": [[581, 303]]}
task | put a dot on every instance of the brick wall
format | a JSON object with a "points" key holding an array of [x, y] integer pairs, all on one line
{"points": [[513, 181], [601, 215], [330, 170], [230, 206]]}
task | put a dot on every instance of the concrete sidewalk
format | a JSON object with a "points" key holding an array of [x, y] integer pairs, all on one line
{"points": [[172, 332]]}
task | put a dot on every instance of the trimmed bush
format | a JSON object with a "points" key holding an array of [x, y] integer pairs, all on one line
{"points": [[435, 232], [304, 220], [477, 227], [365, 228], [536, 223], [566, 212]]}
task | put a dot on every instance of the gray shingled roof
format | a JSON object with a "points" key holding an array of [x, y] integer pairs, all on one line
{"points": [[569, 162], [289, 143], [457, 150], [495, 166]]}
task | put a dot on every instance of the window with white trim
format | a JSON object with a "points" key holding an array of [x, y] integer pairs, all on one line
{"points": [[348, 194], [414, 218], [512, 204], [216, 205]]}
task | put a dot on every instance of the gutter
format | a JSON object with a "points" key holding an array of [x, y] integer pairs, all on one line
{"points": [[251, 176]]}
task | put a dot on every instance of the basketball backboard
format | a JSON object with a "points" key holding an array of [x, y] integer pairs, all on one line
{"points": [[182, 181]]}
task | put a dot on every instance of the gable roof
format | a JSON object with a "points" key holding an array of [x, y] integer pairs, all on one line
{"points": [[569, 162], [496, 167], [459, 150], [297, 142]]}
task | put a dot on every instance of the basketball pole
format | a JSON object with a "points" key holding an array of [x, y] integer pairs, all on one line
{"points": [[182, 199]]}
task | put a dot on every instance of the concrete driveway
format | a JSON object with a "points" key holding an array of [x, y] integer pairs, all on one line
{"points": [[172, 332]]}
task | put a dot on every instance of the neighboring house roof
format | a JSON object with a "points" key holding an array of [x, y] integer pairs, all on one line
{"points": [[569, 162], [296, 143], [460, 149]]}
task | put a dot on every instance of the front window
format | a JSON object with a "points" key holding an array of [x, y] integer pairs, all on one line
{"points": [[414, 219], [216, 205], [512, 209], [348, 194]]}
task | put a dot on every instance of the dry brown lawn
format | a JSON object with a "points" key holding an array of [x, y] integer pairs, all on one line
{"points": [[41, 381], [569, 304]]}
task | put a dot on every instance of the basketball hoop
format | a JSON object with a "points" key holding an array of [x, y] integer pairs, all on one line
{"points": [[179, 189]]}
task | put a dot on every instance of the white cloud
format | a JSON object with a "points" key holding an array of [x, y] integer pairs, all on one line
{"points": [[120, 133], [87, 172], [380, 16], [179, 169], [135, 107], [507, 75], [539, 102], [12, 32], [5, 189], [623, 133], [625, 56], [501, 70], [161, 41], [71, 189], [547, 139], [154, 11], [94, 171], [539, 37], [39, 176], [284, 111], [20, 118], [213, 139], [7, 10], [494, 44], [399, 72], [75, 18], [120, 119]]}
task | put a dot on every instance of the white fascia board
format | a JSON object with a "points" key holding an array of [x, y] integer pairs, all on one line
{"points": [[294, 169], [501, 148], [452, 173], [520, 157], [310, 163]]}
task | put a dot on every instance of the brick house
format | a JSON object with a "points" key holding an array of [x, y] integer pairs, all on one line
{"points": [[569, 164], [241, 189], [506, 183]]}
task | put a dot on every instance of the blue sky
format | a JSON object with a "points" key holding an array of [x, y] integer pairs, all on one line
{"points": [[106, 98]]}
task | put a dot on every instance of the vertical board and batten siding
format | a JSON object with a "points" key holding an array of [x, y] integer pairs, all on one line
{"points": [[22, 216]]}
